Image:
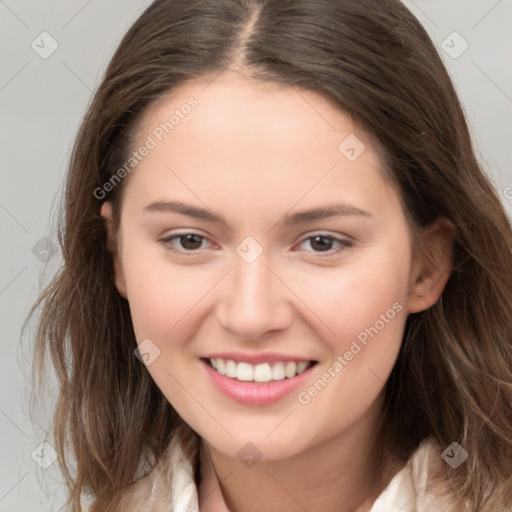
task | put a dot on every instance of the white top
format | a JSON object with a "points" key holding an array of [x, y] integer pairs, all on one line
{"points": [[170, 486]]}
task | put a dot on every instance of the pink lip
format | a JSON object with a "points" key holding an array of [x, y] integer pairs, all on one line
{"points": [[251, 358], [255, 393]]}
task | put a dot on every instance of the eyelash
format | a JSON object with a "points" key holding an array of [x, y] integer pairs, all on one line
{"points": [[344, 243]]}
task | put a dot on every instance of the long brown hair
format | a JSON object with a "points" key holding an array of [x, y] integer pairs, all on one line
{"points": [[453, 377]]}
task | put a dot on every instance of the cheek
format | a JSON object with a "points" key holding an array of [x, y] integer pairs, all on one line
{"points": [[368, 314], [164, 301], [352, 299], [161, 296]]}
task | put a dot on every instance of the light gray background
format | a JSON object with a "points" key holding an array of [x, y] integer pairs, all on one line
{"points": [[42, 101]]}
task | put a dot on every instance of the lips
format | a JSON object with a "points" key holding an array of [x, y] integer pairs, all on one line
{"points": [[263, 380]]}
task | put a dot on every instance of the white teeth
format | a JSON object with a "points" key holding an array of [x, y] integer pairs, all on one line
{"points": [[290, 369], [264, 372], [245, 371], [231, 370], [278, 371], [301, 367], [221, 367]]}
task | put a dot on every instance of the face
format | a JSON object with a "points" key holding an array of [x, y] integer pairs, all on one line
{"points": [[224, 267]]}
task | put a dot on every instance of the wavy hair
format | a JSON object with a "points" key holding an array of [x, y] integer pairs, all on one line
{"points": [[453, 377]]}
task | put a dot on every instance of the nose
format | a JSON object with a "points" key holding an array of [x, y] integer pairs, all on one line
{"points": [[254, 301]]}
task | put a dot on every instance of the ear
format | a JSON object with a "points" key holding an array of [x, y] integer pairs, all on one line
{"points": [[432, 265], [112, 245]]}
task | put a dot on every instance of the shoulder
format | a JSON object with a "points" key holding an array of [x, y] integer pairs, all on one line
{"points": [[170, 484], [418, 486]]}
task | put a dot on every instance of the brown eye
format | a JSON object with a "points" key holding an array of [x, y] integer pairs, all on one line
{"points": [[321, 243], [330, 245], [184, 242], [191, 241]]}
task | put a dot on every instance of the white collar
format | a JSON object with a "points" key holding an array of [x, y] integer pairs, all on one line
{"points": [[171, 486]]}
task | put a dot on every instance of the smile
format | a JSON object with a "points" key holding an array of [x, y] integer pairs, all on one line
{"points": [[257, 384], [264, 372]]}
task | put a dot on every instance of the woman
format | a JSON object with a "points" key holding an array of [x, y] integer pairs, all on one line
{"points": [[278, 203]]}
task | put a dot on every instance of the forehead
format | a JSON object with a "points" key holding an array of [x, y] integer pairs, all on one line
{"points": [[250, 139], [272, 114]]}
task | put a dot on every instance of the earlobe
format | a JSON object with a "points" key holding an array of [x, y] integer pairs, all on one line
{"points": [[432, 266], [113, 248]]}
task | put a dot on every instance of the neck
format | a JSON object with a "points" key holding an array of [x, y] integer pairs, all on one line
{"points": [[340, 474]]}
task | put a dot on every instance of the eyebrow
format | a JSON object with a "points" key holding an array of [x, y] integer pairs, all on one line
{"points": [[336, 210]]}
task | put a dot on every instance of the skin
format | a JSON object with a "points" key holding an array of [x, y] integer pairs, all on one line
{"points": [[254, 152]]}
